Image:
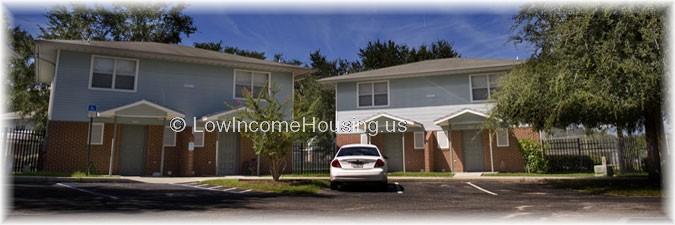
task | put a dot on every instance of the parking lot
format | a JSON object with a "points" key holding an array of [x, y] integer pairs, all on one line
{"points": [[413, 200]]}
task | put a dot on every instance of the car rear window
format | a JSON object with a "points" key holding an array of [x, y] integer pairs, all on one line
{"points": [[358, 151]]}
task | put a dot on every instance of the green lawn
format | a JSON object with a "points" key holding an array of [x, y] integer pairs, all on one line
{"points": [[421, 174], [617, 187], [284, 186], [538, 174]]}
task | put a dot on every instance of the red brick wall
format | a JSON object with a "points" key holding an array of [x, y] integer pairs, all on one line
{"points": [[205, 157], [67, 148], [345, 139], [414, 158], [153, 149]]}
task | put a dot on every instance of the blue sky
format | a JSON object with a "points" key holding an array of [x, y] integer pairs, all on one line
{"points": [[475, 33]]}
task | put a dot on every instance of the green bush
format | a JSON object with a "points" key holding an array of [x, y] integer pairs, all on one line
{"points": [[570, 163], [535, 162]]}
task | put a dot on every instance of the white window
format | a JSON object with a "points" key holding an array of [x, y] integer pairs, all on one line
{"points": [[484, 86], [169, 137], [97, 133], [198, 139], [110, 73], [250, 82], [364, 139], [442, 139], [419, 140], [373, 94], [502, 137]]}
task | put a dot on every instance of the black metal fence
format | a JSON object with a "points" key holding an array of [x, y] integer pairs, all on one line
{"points": [[23, 148], [581, 154], [312, 158]]}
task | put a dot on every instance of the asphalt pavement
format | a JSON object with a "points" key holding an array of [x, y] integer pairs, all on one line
{"points": [[483, 200]]}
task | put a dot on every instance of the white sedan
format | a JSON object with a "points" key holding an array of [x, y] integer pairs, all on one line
{"points": [[358, 163]]}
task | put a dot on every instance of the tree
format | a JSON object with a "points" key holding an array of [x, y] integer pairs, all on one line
{"points": [[590, 66], [274, 145], [279, 57], [123, 22], [385, 54], [28, 98], [219, 47]]}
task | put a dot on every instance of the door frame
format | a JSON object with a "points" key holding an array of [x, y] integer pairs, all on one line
{"points": [[478, 134], [145, 148]]}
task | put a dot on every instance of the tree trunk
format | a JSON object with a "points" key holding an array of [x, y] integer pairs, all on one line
{"points": [[275, 169], [653, 127], [620, 150]]}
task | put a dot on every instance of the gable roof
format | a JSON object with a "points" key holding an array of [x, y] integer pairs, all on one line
{"points": [[428, 68], [165, 51]]}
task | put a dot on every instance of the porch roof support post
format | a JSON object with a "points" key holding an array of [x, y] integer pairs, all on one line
{"points": [[112, 146], [428, 151], [492, 162], [452, 150], [161, 162], [403, 149], [217, 150]]}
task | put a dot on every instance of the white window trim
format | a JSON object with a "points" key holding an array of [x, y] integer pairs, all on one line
{"points": [[102, 134], [372, 93], [447, 135], [197, 144], [497, 137], [488, 86], [91, 74], [415, 140], [234, 82], [175, 135]]}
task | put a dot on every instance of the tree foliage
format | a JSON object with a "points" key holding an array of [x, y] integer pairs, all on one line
{"points": [[590, 66], [384, 54], [219, 47], [123, 22], [274, 145], [26, 97]]}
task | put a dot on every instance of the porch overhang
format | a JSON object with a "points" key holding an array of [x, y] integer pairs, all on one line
{"points": [[385, 121], [463, 117], [223, 115], [141, 109]]}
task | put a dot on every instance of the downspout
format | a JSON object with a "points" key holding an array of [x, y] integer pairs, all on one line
{"points": [[217, 144], [452, 150], [403, 147], [112, 146], [492, 162]]}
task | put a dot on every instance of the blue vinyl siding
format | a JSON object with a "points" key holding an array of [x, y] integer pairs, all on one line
{"points": [[193, 89]]}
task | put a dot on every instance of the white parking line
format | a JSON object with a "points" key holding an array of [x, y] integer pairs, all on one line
{"points": [[244, 191], [397, 188], [229, 189], [201, 185], [481, 189], [87, 191]]}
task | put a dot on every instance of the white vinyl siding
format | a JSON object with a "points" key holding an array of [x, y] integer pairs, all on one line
{"points": [[169, 137], [442, 139], [250, 82], [484, 86], [502, 137], [97, 133], [111, 73], [370, 94], [418, 140]]}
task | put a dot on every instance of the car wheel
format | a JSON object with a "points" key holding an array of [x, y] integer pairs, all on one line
{"points": [[333, 185]]}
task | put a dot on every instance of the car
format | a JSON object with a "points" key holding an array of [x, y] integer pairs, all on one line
{"points": [[358, 163]]}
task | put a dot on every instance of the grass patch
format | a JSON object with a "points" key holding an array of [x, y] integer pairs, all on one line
{"points": [[617, 187], [421, 174], [307, 175], [538, 174], [284, 186]]}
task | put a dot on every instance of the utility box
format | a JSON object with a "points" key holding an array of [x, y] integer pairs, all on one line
{"points": [[603, 170]]}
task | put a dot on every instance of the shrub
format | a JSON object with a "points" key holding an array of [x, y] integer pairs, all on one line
{"points": [[570, 163], [532, 152]]}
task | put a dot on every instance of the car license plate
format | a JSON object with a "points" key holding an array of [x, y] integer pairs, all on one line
{"points": [[354, 165]]}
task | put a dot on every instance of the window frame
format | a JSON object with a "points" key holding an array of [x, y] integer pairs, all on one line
{"points": [[497, 137], [194, 139], [487, 80], [175, 135], [415, 140], [372, 94], [447, 139], [234, 82], [112, 86], [93, 125]]}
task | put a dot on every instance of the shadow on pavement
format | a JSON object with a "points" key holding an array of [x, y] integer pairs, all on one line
{"points": [[369, 187]]}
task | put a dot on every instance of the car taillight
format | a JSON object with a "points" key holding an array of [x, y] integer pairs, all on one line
{"points": [[379, 163], [335, 163]]}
